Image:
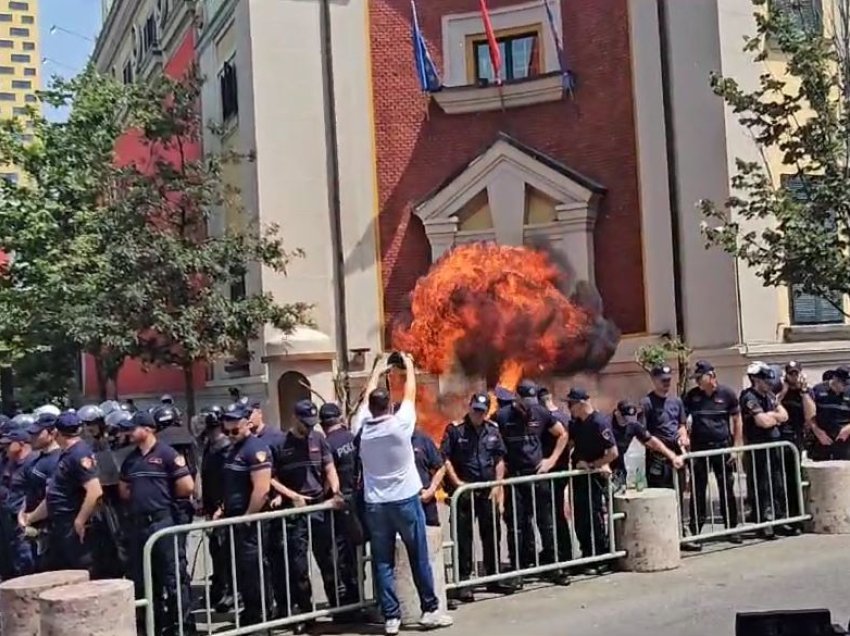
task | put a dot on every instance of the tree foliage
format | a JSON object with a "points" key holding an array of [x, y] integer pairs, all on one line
{"points": [[663, 352], [802, 234]]}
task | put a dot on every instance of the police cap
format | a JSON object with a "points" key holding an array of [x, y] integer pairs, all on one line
{"points": [[480, 402], [306, 412], [236, 412], [90, 413], [68, 422], [577, 394], [329, 412]]}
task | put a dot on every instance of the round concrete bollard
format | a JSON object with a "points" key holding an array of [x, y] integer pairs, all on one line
{"points": [[408, 597], [96, 608], [650, 532], [19, 608], [828, 497]]}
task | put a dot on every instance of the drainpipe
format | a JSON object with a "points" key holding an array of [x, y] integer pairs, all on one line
{"points": [[672, 164], [332, 149]]}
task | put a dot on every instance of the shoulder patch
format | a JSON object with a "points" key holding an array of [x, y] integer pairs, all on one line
{"points": [[180, 461], [606, 434], [87, 462], [261, 456]]}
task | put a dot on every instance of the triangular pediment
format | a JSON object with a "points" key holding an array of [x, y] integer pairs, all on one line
{"points": [[507, 159]]}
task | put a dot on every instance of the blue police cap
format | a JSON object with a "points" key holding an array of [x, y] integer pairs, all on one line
{"points": [[480, 402], [504, 395], [120, 420], [577, 394], [68, 422], [141, 418], [16, 434], [329, 412], [627, 409], [44, 422], [662, 371], [702, 367], [307, 412], [235, 412]]}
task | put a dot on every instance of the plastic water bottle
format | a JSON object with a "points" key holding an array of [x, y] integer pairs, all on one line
{"points": [[635, 461]]}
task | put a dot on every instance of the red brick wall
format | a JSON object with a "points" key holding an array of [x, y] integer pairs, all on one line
{"points": [[419, 147]]}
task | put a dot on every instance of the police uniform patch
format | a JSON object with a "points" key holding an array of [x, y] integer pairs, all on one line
{"points": [[261, 456], [606, 434], [180, 461], [87, 463]]}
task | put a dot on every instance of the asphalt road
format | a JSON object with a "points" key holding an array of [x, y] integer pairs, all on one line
{"points": [[698, 599]]}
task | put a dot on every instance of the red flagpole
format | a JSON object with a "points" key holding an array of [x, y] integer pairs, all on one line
{"points": [[495, 54]]}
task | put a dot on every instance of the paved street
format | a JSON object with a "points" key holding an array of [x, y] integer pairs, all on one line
{"points": [[699, 599]]}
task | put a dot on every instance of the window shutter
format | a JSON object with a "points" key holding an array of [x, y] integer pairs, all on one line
{"points": [[806, 14]]}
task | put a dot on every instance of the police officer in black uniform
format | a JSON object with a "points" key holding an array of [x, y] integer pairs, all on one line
{"points": [[247, 480], [522, 425], [70, 500], [304, 474], [715, 423], [431, 468], [215, 452], [18, 547], [627, 427], [594, 448], [475, 452], [348, 531], [763, 416], [799, 402], [153, 477], [563, 539], [665, 419], [43, 439], [831, 426]]}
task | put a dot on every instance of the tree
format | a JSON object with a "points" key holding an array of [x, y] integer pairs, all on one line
{"points": [[804, 118], [195, 306], [655, 355]]}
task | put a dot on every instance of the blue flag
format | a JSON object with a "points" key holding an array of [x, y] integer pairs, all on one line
{"points": [[429, 81]]}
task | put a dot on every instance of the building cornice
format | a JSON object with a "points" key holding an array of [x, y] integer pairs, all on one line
{"points": [[213, 20]]}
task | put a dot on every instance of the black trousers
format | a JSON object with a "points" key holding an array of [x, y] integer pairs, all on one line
{"points": [[589, 513], [252, 572], [221, 580], [764, 470], [792, 475], [65, 550], [522, 501], [723, 467], [835, 451], [563, 537], [476, 504]]}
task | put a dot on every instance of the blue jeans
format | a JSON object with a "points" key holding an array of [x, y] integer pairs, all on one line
{"points": [[407, 519]]}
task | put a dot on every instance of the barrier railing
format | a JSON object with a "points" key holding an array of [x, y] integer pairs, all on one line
{"points": [[758, 486], [267, 558], [531, 514]]}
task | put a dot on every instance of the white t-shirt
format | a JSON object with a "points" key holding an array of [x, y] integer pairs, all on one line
{"points": [[386, 452]]}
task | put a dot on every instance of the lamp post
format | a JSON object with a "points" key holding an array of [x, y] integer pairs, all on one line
{"points": [[59, 29]]}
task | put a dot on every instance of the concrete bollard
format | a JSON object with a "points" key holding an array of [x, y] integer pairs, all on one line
{"points": [[828, 497], [19, 608], [408, 597], [650, 531], [96, 608]]}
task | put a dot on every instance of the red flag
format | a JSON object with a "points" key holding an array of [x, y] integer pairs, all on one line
{"points": [[495, 54]]}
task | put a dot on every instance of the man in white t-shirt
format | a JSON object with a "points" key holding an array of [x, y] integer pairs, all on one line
{"points": [[391, 487]]}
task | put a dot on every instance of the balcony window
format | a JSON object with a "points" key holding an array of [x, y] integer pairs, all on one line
{"points": [[150, 35], [127, 73], [229, 90], [520, 53]]}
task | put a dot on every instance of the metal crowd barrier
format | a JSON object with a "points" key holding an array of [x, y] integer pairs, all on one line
{"points": [[528, 501], [758, 486], [196, 539]]}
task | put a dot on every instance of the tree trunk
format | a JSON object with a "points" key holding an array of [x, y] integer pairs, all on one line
{"points": [[102, 380], [189, 386]]}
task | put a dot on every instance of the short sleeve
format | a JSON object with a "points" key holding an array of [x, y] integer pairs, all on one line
{"points": [[432, 455], [637, 429], [683, 414], [86, 468], [327, 456], [447, 443], [559, 417], [499, 450], [734, 405], [750, 404], [607, 433], [176, 465], [124, 473], [258, 457], [406, 414], [643, 409]]}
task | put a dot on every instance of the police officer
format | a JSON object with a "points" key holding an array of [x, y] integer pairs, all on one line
{"points": [[504, 397], [715, 423], [94, 429], [665, 419], [19, 549], [70, 500], [831, 426], [763, 416], [153, 477], [799, 402], [563, 539], [431, 469], [212, 477], [594, 449], [627, 427], [475, 452], [7, 535], [43, 439], [247, 480], [304, 474], [347, 529]]}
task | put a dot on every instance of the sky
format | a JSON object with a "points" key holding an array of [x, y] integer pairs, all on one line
{"points": [[66, 53]]}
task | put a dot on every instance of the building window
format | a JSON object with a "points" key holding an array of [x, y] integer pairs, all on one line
{"points": [[21, 58], [5, 17], [29, 46], [19, 6], [30, 72], [19, 32], [8, 44], [805, 14], [127, 73], [30, 99], [9, 177], [150, 38], [27, 19], [20, 111], [807, 309], [520, 53], [22, 84], [7, 97], [229, 90], [7, 70]]}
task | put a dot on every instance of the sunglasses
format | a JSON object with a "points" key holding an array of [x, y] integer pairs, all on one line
{"points": [[234, 432]]}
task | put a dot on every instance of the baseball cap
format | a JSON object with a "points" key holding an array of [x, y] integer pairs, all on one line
{"points": [[235, 412], [480, 402], [842, 373], [256, 404], [662, 371], [626, 408], [18, 434], [307, 412], [329, 411], [141, 418], [68, 422], [504, 395], [702, 367], [793, 367], [527, 392], [43, 422], [577, 395]]}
